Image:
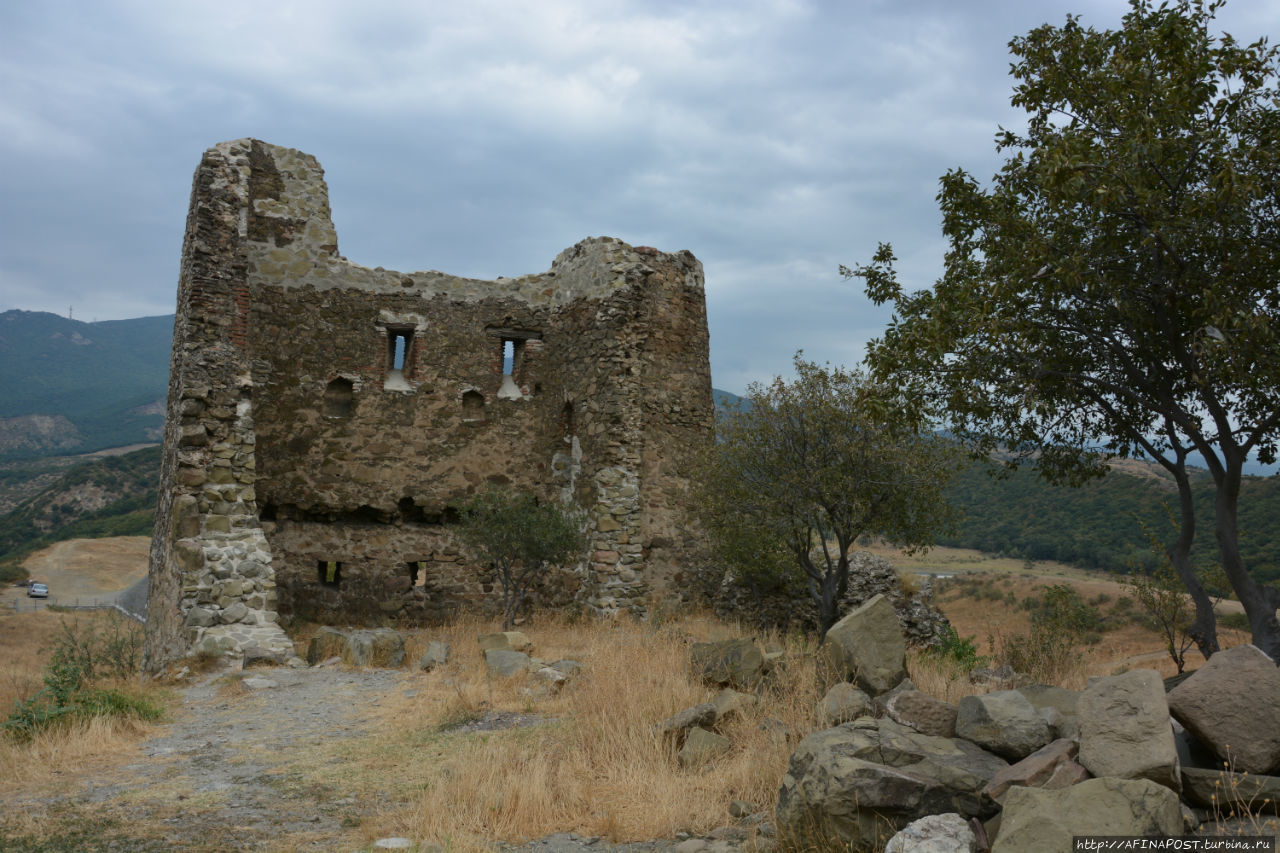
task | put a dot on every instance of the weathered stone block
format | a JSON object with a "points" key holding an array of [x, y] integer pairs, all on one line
{"points": [[867, 648], [1125, 730], [1232, 705]]}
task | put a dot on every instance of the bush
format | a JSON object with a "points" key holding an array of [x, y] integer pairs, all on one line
{"points": [[957, 651], [81, 658]]}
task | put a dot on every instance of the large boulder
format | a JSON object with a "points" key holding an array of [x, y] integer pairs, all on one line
{"points": [[867, 648], [1004, 722], [1232, 705], [1045, 821], [382, 647], [867, 779], [1125, 730], [728, 663]]}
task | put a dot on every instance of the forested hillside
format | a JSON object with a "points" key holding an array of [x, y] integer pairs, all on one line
{"points": [[109, 496], [1100, 525], [73, 387]]}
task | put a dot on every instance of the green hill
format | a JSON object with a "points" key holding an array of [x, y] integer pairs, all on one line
{"points": [[108, 496], [73, 387], [1100, 525]]}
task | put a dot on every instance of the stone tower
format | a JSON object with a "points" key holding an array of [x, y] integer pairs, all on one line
{"points": [[326, 419]]}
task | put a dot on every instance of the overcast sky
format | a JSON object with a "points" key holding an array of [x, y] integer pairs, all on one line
{"points": [[774, 139]]}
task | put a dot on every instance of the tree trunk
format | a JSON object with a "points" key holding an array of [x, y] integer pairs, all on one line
{"points": [[1204, 629], [1259, 602], [828, 605]]}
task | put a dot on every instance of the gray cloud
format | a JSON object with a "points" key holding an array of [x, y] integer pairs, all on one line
{"points": [[774, 139]]}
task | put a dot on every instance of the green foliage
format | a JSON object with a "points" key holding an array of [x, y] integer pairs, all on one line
{"points": [[959, 652], [1061, 622], [1112, 289], [53, 515], [520, 537], [812, 465], [81, 658]]}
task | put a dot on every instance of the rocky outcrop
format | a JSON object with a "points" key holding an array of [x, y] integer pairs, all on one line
{"points": [[1232, 705]]}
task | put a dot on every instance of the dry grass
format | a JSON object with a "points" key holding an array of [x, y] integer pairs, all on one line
{"points": [[592, 764], [64, 750]]}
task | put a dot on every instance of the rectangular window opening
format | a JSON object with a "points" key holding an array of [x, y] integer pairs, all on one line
{"points": [[399, 343], [418, 573], [509, 356], [329, 572]]}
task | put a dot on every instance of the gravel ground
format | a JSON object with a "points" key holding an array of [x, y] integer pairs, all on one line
{"points": [[218, 777]]}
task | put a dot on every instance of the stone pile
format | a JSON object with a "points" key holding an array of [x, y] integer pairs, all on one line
{"points": [[869, 575], [1028, 768]]}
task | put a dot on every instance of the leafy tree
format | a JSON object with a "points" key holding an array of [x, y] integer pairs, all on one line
{"points": [[1115, 288], [814, 464], [521, 538]]}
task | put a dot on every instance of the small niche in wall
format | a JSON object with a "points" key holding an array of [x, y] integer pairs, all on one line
{"points": [[418, 573], [339, 398], [329, 572], [472, 406], [568, 421]]}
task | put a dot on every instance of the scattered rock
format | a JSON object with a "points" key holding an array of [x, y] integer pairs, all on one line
{"points": [[730, 703], [507, 641], [327, 643], [380, 647], [1125, 730], [728, 663], [437, 655], [1004, 722], [740, 809], [843, 703], [941, 833], [1232, 705], [1036, 819], [568, 668], [867, 648], [678, 725], [257, 682], [1057, 705], [506, 663], [700, 746]]}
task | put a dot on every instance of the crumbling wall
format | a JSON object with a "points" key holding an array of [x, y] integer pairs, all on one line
{"points": [[326, 419]]}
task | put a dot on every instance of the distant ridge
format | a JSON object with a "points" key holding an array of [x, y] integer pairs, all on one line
{"points": [[72, 387]]}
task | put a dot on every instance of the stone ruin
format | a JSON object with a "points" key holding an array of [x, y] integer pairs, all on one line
{"points": [[325, 419]]}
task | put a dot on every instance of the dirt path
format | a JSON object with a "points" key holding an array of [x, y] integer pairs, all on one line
{"points": [[222, 775]]}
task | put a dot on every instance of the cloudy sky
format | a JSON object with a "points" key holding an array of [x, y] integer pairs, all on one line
{"points": [[775, 139]]}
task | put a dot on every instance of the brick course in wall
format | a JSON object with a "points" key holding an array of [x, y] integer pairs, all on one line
{"points": [[295, 440]]}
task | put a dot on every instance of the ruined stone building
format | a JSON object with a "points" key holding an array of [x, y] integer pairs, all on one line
{"points": [[325, 419]]}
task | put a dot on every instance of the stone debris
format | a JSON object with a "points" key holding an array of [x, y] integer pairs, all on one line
{"points": [[867, 648], [1232, 705]]}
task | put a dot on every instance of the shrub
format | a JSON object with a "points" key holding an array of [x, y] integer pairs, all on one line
{"points": [[81, 658]]}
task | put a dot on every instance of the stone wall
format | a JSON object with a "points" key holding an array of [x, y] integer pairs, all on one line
{"points": [[326, 419]]}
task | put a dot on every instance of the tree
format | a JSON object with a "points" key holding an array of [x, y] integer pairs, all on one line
{"points": [[1115, 289], [521, 538], [814, 464]]}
